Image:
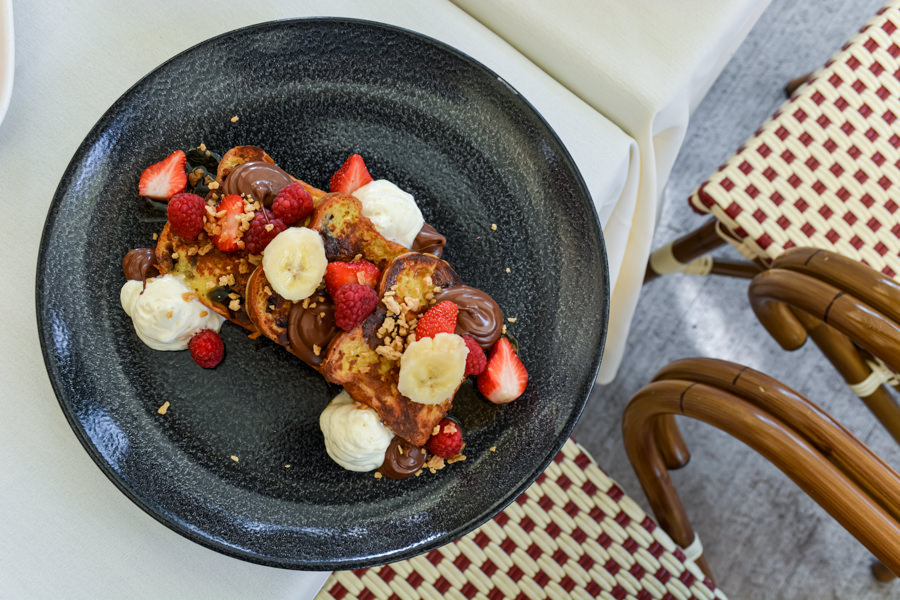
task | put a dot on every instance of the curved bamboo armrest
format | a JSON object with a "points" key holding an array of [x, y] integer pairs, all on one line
{"points": [[774, 293], [876, 289], [826, 461]]}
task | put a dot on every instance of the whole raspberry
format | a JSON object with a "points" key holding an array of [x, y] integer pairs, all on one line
{"points": [[292, 203], [207, 348], [263, 229], [476, 361], [353, 303], [440, 318], [186, 213], [447, 442]]}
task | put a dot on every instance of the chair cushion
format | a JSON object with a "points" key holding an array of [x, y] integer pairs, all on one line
{"points": [[824, 170], [573, 533]]}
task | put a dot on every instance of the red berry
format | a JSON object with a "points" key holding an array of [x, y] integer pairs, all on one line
{"points": [[292, 203], [440, 318], [187, 215], [164, 179], [504, 379], [476, 361], [352, 175], [228, 226], [352, 304], [447, 442], [207, 348], [259, 235], [339, 274]]}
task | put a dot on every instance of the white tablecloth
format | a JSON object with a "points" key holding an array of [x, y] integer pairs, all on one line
{"points": [[645, 65], [67, 531]]}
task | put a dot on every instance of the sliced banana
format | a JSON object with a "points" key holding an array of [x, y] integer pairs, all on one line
{"points": [[294, 262], [432, 368]]}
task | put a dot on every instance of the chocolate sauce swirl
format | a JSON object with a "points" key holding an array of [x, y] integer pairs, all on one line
{"points": [[140, 264], [401, 459], [429, 241], [258, 178], [479, 315], [313, 326]]}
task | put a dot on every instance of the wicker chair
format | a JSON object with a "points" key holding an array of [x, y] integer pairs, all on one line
{"points": [[811, 200], [839, 472], [573, 534], [823, 173]]}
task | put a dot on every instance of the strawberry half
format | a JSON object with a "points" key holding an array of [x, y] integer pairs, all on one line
{"points": [[339, 274], [352, 175], [227, 226], [440, 318], [504, 379], [164, 179]]}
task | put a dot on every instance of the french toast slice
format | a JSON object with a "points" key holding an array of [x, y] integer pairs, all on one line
{"points": [[218, 278], [267, 309], [348, 233], [371, 376]]}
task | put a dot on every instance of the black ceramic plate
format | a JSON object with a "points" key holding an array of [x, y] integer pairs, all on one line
{"points": [[311, 92]]}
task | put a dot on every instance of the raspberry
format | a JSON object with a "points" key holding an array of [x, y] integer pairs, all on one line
{"points": [[186, 214], [292, 203], [353, 303], [207, 348], [258, 237], [440, 318], [448, 441], [476, 361]]}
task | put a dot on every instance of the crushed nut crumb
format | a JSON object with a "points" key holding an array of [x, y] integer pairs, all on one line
{"points": [[234, 458], [508, 270], [234, 305], [455, 459], [493, 227], [493, 448], [511, 319], [234, 119], [162, 409], [378, 475], [213, 185]]}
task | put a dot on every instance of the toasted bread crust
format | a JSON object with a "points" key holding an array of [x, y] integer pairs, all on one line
{"points": [[348, 234]]}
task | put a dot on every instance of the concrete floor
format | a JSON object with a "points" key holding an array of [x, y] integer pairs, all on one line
{"points": [[764, 538]]}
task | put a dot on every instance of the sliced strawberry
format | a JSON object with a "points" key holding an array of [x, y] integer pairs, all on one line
{"points": [[504, 379], [440, 318], [352, 175], [164, 179], [227, 226], [339, 274]]}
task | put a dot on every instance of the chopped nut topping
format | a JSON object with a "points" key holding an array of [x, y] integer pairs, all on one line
{"points": [[456, 459], [204, 313], [503, 329], [508, 270], [169, 314], [317, 350], [155, 236], [234, 305], [392, 305], [234, 119], [435, 464], [378, 475], [493, 448], [210, 285], [205, 249], [493, 227], [388, 352], [213, 185], [162, 409], [234, 458], [234, 296], [269, 227], [511, 319]]}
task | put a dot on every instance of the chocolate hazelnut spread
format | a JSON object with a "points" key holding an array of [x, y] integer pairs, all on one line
{"points": [[311, 326], [401, 459], [429, 241], [479, 316], [258, 178], [140, 264]]}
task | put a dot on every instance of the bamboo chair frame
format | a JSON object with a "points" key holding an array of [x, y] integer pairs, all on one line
{"points": [[840, 473]]}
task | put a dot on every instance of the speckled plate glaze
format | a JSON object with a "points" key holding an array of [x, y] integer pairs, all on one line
{"points": [[311, 92]]}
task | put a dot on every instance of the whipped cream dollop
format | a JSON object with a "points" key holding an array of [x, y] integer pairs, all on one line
{"points": [[394, 212], [355, 438], [166, 314]]}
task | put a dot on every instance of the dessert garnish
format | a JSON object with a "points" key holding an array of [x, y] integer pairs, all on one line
{"points": [[351, 282]]}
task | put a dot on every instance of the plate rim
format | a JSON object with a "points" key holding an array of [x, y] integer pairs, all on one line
{"points": [[408, 551]]}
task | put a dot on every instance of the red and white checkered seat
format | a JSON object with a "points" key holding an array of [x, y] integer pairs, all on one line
{"points": [[824, 170], [573, 534]]}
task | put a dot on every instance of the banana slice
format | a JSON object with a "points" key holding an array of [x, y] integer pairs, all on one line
{"points": [[432, 368], [294, 262]]}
